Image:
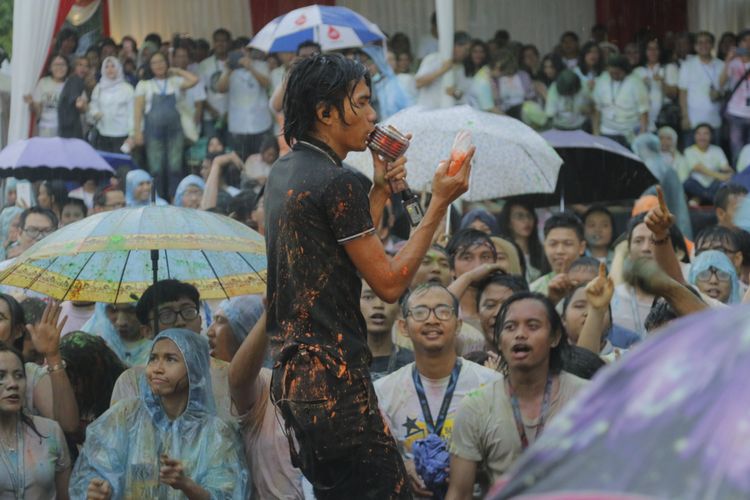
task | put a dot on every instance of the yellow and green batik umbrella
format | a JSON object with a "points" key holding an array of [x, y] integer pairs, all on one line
{"points": [[108, 257]]}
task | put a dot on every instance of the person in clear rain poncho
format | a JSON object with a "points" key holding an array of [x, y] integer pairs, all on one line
{"points": [[168, 443]]}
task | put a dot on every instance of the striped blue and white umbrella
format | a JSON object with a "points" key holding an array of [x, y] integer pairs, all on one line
{"points": [[332, 27]]}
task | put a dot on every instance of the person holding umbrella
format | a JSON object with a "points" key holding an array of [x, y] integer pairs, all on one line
{"points": [[320, 232]]}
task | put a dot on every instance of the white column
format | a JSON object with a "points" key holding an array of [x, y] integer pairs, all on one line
{"points": [[445, 23]]}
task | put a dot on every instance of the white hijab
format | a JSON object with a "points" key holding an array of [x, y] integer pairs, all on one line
{"points": [[108, 83]]}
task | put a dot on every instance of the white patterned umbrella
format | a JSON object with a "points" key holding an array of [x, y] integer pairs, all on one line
{"points": [[511, 158]]}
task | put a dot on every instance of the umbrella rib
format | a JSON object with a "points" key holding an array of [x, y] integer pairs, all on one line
{"points": [[251, 267], [122, 275], [166, 259], [42, 272], [208, 261], [76, 277]]}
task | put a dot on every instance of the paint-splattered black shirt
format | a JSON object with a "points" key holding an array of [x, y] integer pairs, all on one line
{"points": [[313, 207]]}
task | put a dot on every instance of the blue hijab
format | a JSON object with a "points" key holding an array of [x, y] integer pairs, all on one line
{"points": [[482, 215], [190, 180], [718, 260], [132, 181], [242, 313]]}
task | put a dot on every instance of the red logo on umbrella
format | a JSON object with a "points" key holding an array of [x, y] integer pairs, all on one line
{"points": [[300, 20], [333, 33]]}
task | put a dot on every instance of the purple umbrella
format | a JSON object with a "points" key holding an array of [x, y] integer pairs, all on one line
{"points": [[670, 420], [41, 158]]}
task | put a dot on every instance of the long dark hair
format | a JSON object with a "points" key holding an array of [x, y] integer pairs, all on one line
{"points": [[556, 354], [582, 59], [57, 191], [325, 80], [536, 251], [25, 418], [17, 320], [469, 66]]}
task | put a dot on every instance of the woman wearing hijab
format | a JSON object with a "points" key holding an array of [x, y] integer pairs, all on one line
{"points": [[111, 108], [138, 189], [189, 192], [482, 220], [714, 275], [671, 155], [233, 320], [168, 443]]}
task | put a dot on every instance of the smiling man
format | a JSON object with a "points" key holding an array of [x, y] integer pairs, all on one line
{"points": [[421, 398]]}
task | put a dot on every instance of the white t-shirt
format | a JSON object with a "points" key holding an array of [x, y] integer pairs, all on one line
{"points": [[399, 403], [47, 93], [409, 84], [620, 103], [670, 75], [427, 45], [116, 107], [512, 92], [431, 96], [712, 158], [148, 88], [697, 79], [628, 311], [567, 111], [210, 70], [248, 102]]}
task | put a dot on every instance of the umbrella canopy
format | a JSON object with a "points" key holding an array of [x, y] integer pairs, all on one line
{"points": [[511, 158], [117, 160], [595, 169], [107, 257], [667, 421], [332, 27], [41, 158]]}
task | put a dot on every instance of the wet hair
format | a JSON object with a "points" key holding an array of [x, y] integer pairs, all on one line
{"points": [[721, 199], [25, 418], [478, 357], [581, 362], [40, 211], [712, 234], [556, 62], [166, 291], [78, 203], [675, 235], [17, 319], [243, 204], [585, 262], [56, 189], [564, 220], [536, 250], [466, 238], [421, 290], [309, 44], [660, 314], [321, 80], [556, 326], [93, 369], [514, 283]]}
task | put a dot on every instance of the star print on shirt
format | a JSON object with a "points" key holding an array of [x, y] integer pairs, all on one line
{"points": [[411, 427]]}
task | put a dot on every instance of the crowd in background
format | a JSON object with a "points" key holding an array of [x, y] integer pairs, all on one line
{"points": [[202, 121]]}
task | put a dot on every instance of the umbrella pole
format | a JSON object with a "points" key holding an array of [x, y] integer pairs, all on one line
{"points": [[155, 268], [562, 197]]}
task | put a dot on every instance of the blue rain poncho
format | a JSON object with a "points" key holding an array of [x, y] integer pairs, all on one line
{"points": [[132, 181], [242, 312], [130, 353], [720, 261], [124, 445], [390, 96], [190, 180]]}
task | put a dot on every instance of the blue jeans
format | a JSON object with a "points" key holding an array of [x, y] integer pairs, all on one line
{"points": [[695, 189], [739, 135], [164, 156]]}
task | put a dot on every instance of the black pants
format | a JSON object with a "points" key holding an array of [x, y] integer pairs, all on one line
{"points": [[246, 144], [336, 433], [110, 144]]}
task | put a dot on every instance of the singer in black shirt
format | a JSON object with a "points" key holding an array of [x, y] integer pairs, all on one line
{"points": [[320, 233]]}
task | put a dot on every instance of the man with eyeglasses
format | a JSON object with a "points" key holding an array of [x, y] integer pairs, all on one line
{"points": [[421, 398], [178, 306], [34, 224]]}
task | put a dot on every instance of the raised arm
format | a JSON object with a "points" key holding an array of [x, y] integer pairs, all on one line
{"points": [[389, 278], [659, 220], [245, 366], [599, 293]]}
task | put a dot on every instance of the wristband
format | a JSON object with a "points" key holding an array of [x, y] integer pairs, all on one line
{"points": [[56, 367], [662, 241]]}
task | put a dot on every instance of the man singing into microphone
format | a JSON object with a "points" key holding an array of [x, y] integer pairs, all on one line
{"points": [[320, 233]]}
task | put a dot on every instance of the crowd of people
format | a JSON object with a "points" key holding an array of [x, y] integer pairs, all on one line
{"points": [[383, 361]]}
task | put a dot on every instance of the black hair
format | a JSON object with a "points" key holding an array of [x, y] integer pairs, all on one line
{"points": [[522, 64], [240, 42], [231, 175], [599, 27], [564, 220], [57, 191], [148, 73], [25, 418], [660, 314], [581, 362], [706, 33], [166, 291], [599, 209], [94, 49], [131, 39], [501, 36], [154, 38], [725, 191], [536, 250], [321, 80], [107, 42], [309, 43], [66, 34], [478, 357], [100, 197], [52, 57], [621, 62], [466, 238], [202, 44], [93, 369], [40, 211], [222, 32], [461, 38], [422, 289], [675, 235], [77, 202], [243, 204], [704, 125], [585, 261], [569, 298], [663, 52], [557, 63], [582, 59], [571, 34], [469, 66], [513, 283], [555, 322], [712, 234], [17, 319]]}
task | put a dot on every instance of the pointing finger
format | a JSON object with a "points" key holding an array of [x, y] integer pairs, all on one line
{"points": [[602, 270], [662, 203]]}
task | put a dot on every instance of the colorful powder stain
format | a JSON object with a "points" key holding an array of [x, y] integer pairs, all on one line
{"points": [[404, 271]]}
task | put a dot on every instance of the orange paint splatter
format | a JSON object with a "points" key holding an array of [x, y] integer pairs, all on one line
{"points": [[290, 192], [404, 271]]}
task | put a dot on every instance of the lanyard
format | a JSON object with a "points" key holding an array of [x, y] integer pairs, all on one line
{"points": [[432, 426], [712, 75], [162, 89], [542, 416], [615, 95]]}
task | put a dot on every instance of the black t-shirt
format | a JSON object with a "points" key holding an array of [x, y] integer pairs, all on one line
{"points": [[313, 207], [385, 365]]}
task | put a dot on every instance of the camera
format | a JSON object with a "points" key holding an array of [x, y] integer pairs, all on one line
{"points": [[233, 61]]}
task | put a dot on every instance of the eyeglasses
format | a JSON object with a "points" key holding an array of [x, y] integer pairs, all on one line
{"points": [[169, 316], [36, 233], [442, 312], [722, 276]]}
